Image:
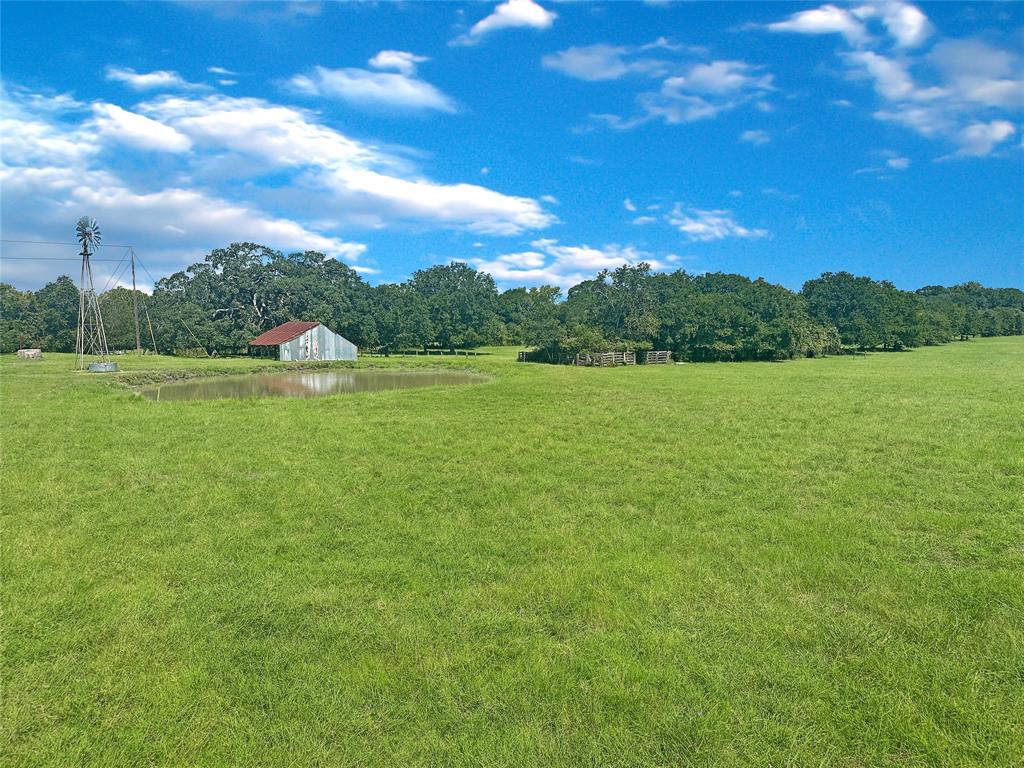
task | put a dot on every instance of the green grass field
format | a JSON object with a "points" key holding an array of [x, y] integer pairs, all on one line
{"points": [[809, 563]]}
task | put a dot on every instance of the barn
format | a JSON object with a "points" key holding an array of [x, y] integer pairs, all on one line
{"points": [[302, 340]]}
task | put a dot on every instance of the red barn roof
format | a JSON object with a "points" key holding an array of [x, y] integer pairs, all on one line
{"points": [[284, 332]]}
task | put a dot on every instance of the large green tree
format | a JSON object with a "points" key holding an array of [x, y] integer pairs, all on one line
{"points": [[17, 329], [239, 291], [119, 318], [402, 318], [530, 314], [462, 304], [54, 312], [868, 314]]}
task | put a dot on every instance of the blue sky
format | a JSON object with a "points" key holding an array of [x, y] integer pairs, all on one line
{"points": [[539, 142]]}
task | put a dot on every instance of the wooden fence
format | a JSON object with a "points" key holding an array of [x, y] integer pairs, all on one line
{"points": [[418, 352], [605, 359]]}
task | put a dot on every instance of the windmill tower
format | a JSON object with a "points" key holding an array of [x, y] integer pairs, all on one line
{"points": [[92, 339]]}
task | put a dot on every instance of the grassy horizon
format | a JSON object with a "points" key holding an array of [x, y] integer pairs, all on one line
{"points": [[816, 562]]}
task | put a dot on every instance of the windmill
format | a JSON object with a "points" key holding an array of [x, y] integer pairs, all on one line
{"points": [[92, 339]]}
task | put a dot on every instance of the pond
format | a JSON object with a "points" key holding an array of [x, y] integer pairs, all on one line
{"points": [[305, 384]]}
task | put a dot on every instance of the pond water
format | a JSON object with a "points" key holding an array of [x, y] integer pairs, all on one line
{"points": [[304, 384]]}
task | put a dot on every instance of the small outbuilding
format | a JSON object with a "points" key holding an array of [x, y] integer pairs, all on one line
{"points": [[303, 340]]}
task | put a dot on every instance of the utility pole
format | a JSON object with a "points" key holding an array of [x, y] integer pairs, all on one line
{"points": [[135, 306]]}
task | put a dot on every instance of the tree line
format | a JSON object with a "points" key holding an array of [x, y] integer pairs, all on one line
{"points": [[216, 306]]}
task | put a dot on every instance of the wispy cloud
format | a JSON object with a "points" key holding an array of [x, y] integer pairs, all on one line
{"points": [[550, 263], [755, 137], [778, 194], [960, 91], [401, 90], [979, 139], [400, 61], [700, 225], [887, 161], [159, 80], [699, 92], [608, 62]]}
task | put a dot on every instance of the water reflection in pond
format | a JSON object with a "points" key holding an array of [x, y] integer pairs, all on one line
{"points": [[308, 384]]}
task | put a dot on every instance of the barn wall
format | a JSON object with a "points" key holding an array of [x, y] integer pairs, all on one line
{"points": [[319, 343]]}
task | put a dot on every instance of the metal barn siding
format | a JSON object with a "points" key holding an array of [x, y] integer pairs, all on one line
{"points": [[318, 343]]}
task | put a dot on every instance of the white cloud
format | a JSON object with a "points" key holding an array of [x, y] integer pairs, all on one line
{"points": [[978, 82], [960, 91], [113, 122], [604, 62], [476, 208], [342, 176], [524, 259], [641, 220], [708, 225], [163, 80], [689, 90], [930, 121], [562, 265], [892, 78], [31, 137], [362, 87], [204, 219], [980, 74], [38, 103], [700, 92], [826, 20], [892, 161], [54, 167], [221, 71], [979, 139], [591, 62], [628, 205], [755, 137], [400, 61], [512, 13], [171, 226], [905, 23], [720, 77]]}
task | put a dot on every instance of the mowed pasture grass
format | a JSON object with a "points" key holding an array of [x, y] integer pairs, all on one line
{"points": [[817, 562]]}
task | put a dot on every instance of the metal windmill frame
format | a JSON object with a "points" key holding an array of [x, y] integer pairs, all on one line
{"points": [[91, 340]]}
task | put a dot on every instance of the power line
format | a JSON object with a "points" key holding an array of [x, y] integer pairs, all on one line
{"points": [[144, 269], [52, 258], [56, 242], [68, 258], [117, 273]]}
